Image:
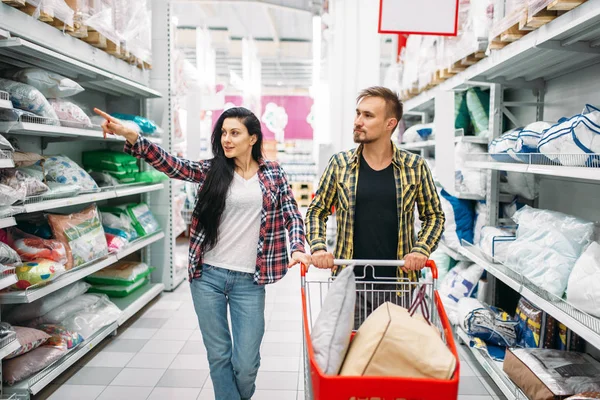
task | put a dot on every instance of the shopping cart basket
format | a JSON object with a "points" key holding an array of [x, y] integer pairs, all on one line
{"points": [[319, 386]]}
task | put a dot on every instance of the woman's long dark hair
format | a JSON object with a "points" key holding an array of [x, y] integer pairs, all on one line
{"points": [[211, 199]]}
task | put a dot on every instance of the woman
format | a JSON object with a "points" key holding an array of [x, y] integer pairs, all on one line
{"points": [[238, 241]]}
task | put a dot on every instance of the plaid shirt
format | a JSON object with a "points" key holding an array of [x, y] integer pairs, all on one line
{"points": [[279, 211], [414, 184]]}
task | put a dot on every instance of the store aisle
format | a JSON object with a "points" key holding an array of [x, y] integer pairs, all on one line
{"points": [[160, 356]]}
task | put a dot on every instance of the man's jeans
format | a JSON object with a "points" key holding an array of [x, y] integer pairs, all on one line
{"points": [[233, 369]]}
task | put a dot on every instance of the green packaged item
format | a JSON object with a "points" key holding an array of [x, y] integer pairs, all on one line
{"points": [[109, 161], [149, 177], [119, 290], [123, 273], [142, 218], [478, 103], [461, 112]]}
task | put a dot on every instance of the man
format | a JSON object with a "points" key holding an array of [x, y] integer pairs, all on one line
{"points": [[374, 189]]}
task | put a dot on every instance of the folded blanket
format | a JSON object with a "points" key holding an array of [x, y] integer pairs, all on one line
{"points": [[488, 323]]}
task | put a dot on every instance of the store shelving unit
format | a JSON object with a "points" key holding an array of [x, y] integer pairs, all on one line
{"points": [[418, 145], [8, 345], [452, 253], [5, 100], [7, 222], [7, 280]]}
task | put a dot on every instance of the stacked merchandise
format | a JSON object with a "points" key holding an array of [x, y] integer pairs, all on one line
{"points": [[111, 168], [50, 327], [120, 279]]}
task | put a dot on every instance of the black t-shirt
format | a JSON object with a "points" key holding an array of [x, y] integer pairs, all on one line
{"points": [[375, 219]]}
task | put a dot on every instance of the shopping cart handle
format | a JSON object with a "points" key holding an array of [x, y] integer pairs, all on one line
{"points": [[383, 263]]}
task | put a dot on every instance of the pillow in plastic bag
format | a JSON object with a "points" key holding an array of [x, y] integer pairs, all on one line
{"points": [[28, 98], [482, 214], [547, 247], [469, 180], [117, 222], [583, 289], [15, 178], [90, 320], [70, 114], [31, 247], [82, 235], [26, 312], [10, 196], [8, 256], [121, 273], [109, 160], [459, 282], [146, 126], [478, 103], [58, 190], [494, 242], [37, 272], [50, 84], [28, 339], [61, 337], [20, 368], [103, 179], [62, 169], [460, 220], [119, 290], [411, 135], [143, 219], [68, 308], [22, 159], [115, 243], [520, 184]]}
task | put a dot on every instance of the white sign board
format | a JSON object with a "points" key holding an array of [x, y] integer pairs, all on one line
{"points": [[423, 17]]}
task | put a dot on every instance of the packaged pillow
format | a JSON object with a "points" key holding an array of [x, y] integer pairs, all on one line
{"points": [[49, 84], [152, 176], [61, 337], [10, 195], [15, 178], [63, 170], [116, 222], [146, 126], [28, 98], [103, 179], [8, 256], [121, 273], [70, 114], [59, 190], [109, 160], [20, 368], [26, 312], [31, 247], [34, 171], [115, 243], [37, 272], [90, 320], [82, 235], [143, 220], [478, 103], [28, 339], [22, 159], [68, 308], [119, 290]]}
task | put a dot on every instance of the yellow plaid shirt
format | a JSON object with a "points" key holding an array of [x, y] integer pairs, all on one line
{"points": [[414, 184]]}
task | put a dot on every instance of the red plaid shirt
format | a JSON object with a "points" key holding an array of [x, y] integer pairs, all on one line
{"points": [[279, 211]]}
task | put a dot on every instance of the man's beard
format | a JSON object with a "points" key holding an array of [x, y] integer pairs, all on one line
{"points": [[361, 140]]}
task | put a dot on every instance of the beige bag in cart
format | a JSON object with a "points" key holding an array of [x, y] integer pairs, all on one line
{"points": [[391, 342]]}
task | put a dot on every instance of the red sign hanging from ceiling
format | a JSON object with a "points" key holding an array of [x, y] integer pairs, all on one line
{"points": [[422, 17]]}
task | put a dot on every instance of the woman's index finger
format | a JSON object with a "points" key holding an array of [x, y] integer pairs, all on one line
{"points": [[104, 115]]}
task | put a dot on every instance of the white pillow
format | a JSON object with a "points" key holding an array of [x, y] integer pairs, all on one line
{"points": [[332, 330], [583, 290]]}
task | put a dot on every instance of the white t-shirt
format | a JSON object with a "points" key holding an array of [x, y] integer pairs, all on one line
{"points": [[240, 227]]}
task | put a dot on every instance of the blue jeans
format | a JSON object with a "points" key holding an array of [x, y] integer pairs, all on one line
{"points": [[233, 368]]}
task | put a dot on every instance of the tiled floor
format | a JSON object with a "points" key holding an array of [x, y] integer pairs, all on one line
{"points": [[160, 356]]}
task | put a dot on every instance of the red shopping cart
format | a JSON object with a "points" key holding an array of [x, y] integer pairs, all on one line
{"points": [[319, 386]]}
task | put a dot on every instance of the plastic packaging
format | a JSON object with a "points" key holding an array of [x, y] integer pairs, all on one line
{"points": [[519, 184], [28, 98], [62, 169], [30, 247], [28, 339], [115, 243], [8, 256], [23, 159], [411, 135], [482, 215], [23, 367], [59, 190], [90, 320], [494, 242], [547, 246], [26, 312], [103, 179], [490, 324], [469, 180], [10, 196], [119, 290], [37, 272], [119, 224], [583, 289], [82, 235], [122, 273], [70, 114], [460, 220], [142, 218], [61, 337], [15, 178], [50, 84], [478, 103], [109, 160], [147, 126], [70, 307], [5, 144], [459, 282]]}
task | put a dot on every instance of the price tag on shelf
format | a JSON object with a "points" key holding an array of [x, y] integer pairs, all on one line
{"points": [[423, 17]]}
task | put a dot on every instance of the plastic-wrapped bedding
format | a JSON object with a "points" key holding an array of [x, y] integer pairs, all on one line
{"points": [[70, 114], [417, 133], [494, 242], [583, 290], [15, 178], [68, 308], [519, 184], [10, 196], [515, 144], [547, 247], [28, 98], [22, 367], [50, 84], [460, 219], [469, 180], [578, 135], [30, 247], [90, 320]]}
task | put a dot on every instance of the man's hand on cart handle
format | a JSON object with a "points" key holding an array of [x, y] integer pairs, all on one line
{"points": [[322, 259], [414, 262], [300, 257]]}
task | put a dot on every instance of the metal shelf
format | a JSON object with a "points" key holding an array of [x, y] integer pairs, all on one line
{"points": [[493, 368], [137, 300], [86, 68], [583, 324], [139, 244], [6, 222], [31, 129], [418, 145], [8, 345], [452, 253], [5, 100], [551, 170], [472, 139], [555, 49], [122, 192], [30, 295], [7, 281], [39, 381]]}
